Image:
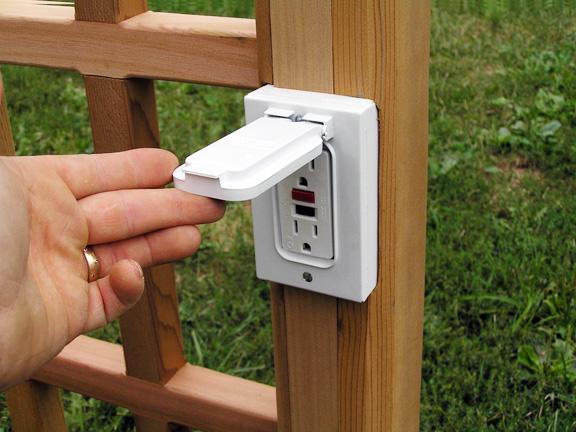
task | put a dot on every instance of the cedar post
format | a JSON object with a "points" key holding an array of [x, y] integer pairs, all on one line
{"points": [[6, 143], [344, 366], [123, 116], [35, 406]]}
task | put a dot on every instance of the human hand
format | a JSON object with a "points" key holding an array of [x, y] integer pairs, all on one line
{"points": [[51, 208]]}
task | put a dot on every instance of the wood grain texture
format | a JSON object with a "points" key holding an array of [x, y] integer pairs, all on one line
{"points": [[122, 113], [381, 53], [264, 38], [302, 44], [123, 116], [281, 349], [151, 331], [194, 396], [35, 406], [155, 45], [306, 362], [312, 362], [108, 11], [305, 348], [6, 142], [305, 323]]}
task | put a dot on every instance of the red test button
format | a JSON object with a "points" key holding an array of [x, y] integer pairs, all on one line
{"points": [[304, 196]]}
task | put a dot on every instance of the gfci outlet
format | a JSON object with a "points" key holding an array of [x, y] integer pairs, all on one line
{"points": [[309, 162], [317, 229], [305, 209]]}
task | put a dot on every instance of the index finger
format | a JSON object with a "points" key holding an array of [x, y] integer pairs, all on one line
{"points": [[133, 169]]}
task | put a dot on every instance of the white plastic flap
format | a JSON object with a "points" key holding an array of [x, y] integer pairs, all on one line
{"points": [[251, 160]]}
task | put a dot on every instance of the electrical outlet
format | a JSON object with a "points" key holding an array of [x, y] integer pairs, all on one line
{"points": [[340, 258], [305, 209], [309, 162]]}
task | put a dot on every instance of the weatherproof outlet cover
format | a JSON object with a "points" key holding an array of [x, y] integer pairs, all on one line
{"points": [[353, 146], [251, 160]]}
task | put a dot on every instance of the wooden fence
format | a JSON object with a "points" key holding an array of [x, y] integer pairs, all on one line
{"points": [[340, 366]]}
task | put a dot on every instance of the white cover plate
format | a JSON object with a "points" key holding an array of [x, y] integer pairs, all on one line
{"points": [[352, 273]]}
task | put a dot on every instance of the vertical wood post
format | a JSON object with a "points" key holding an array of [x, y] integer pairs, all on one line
{"points": [[6, 142], [33, 405], [382, 53], [123, 116], [305, 323], [375, 49], [262, 9], [108, 11]]}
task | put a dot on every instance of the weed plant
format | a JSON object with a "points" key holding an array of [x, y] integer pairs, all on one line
{"points": [[499, 329]]}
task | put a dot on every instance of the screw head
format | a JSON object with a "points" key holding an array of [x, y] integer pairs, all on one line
{"points": [[307, 276]]}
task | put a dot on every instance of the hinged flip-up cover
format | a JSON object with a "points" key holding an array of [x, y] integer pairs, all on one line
{"points": [[251, 160]]}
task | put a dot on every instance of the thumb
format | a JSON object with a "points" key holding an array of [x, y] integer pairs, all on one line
{"points": [[114, 294], [127, 283]]}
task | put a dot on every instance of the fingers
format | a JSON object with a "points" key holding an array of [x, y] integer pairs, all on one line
{"points": [[111, 296], [134, 169], [120, 215], [121, 280], [155, 248]]}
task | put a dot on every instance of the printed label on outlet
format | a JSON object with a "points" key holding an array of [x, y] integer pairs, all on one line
{"points": [[305, 208]]}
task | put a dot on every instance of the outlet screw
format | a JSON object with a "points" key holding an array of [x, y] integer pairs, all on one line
{"points": [[307, 276]]}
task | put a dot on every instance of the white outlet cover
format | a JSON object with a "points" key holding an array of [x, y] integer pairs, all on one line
{"points": [[251, 160], [352, 272]]}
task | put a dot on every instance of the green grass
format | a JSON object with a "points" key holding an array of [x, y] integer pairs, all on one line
{"points": [[491, 8], [232, 8], [500, 315], [501, 271]]}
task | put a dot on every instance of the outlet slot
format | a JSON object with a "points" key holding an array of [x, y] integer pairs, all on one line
{"points": [[303, 182], [306, 248], [305, 211], [295, 227], [315, 231]]}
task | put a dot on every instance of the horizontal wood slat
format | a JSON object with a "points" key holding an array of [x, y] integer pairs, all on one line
{"points": [[154, 45], [195, 397]]}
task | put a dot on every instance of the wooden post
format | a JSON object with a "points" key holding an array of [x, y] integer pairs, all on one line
{"points": [[382, 53], [108, 11], [123, 116], [262, 9], [305, 323], [6, 142], [35, 406], [376, 49]]}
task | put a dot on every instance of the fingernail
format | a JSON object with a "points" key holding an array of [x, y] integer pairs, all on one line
{"points": [[139, 267]]}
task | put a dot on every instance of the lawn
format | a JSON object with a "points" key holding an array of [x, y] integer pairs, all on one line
{"points": [[500, 314], [500, 279]]}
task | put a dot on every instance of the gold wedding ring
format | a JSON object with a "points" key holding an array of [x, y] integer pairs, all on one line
{"points": [[93, 264]]}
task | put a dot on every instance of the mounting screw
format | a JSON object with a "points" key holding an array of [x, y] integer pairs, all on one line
{"points": [[307, 276]]}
